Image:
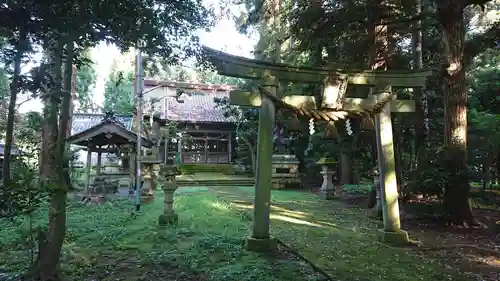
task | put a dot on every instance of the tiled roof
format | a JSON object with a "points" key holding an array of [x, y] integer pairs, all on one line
{"points": [[189, 85], [196, 108], [84, 121]]}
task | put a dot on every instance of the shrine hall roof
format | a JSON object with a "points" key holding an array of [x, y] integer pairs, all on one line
{"points": [[84, 121], [197, 108]]}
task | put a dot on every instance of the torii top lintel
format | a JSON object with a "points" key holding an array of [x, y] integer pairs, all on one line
{"points": [[236, 66]]}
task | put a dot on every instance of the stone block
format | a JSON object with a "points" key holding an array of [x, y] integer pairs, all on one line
{"points": [[168, 218], [399, 238], [326, 194], [265, 245], [147, 198]]}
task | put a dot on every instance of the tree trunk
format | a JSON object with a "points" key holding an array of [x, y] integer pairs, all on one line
{"points": [[345, 169], [457, 189], [486, 172], [252, 152], [378, 59], [398, 160], [14, 89], [65, 115], [47, 266], [420, 97]]}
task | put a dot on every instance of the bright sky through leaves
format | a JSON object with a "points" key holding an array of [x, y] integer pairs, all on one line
{"points": [[223, 36]]}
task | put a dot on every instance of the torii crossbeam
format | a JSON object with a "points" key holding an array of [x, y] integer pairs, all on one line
{"points": [[336, 106]]}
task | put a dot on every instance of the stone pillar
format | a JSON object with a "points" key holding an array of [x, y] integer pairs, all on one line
{"points": [[169, 185], [327, 190], [391, 233], [98, 166], [260, 241]]}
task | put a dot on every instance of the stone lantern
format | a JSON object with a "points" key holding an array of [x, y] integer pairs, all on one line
{"points": [[327, 190], [169, 185], [148, 188]]}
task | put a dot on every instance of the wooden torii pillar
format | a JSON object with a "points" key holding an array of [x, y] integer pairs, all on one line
{"points": [[381, 83]]}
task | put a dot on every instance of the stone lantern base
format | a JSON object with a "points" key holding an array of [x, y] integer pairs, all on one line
{"points": [[147, 198], [327, 190], [169, 185], [168, 218]]}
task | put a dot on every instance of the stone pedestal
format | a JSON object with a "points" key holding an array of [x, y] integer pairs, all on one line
{"points": [[265, 245], [396, 238], [169, 185], [285, 169], [327, 190], [149, 178]]}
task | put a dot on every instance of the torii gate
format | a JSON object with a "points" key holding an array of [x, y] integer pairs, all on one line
{"points": [[380, 104]]}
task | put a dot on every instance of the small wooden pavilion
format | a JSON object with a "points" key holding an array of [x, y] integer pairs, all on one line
{"points": [[110, 135]]}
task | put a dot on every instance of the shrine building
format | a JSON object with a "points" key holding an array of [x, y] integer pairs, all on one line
{"points": [[204, 134]]}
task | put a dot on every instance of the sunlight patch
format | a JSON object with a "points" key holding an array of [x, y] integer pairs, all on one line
{"points": [[296, 221]]}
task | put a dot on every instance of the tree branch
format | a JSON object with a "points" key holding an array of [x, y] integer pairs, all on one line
{"points": [[481, 42], [476, 2]]}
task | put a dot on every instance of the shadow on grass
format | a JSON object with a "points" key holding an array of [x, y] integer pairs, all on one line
{"points": [[340, 240], [107, 243]]}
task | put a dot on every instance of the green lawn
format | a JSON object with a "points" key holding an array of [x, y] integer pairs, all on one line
{"points": [[107, 243]]}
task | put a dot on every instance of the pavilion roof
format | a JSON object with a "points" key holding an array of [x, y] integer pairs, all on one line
{"points": [[111, 130], [84, 121]]}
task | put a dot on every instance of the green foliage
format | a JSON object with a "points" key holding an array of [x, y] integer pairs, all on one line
{"points": [[246, 120], [357, 188], [431, 180], [85, 80], [24, 196], [118, 93]]}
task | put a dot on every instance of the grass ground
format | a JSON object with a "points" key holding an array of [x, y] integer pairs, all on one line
{"points": [[107, 243]]}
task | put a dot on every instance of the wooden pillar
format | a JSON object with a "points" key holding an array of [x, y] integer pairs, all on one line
{"points": [[206, 150], [260, 240], [132, 164], [88, 167], [98, 166], [229, 147], [179, 148]]}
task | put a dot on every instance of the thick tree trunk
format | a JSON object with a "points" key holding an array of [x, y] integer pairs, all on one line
{"points": [[378, 60], [345, 169], [14, 89], [457, 189], [65, 115], [398, 160], [47, 266], [420, 97]]}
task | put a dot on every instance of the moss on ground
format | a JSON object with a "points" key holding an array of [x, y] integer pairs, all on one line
{"points": [[108, 243], [340, 240]]}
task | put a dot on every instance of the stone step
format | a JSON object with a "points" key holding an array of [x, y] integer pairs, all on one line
{"points": [[240, 182]]}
